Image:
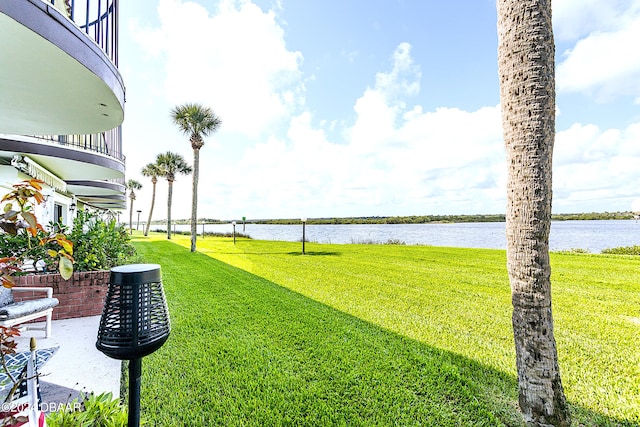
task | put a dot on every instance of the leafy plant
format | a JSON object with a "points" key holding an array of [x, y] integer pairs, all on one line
{"points": [[21, 219], [8, 346], [573, 251], [395, 242], [24, 238], [377, 242], [623, 250], [99, 243], [102, 410], [25, 247]]}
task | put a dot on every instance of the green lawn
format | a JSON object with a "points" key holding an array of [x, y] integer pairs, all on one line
{"points": [[378, 335]]}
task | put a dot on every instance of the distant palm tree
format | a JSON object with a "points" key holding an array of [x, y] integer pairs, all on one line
{"points": [[153, 171], [169, 164], [132, 185], [196, 121]]}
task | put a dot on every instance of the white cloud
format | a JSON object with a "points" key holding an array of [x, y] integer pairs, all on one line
{"points": [[574, 19], [392, 161], [588, 143], [395, 158], [235, 61], [591, 165], [404, 78], [603, 63]]}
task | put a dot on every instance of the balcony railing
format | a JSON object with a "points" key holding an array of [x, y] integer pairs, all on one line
{"points": [[97, 18], [108, 143], [117, 181]]}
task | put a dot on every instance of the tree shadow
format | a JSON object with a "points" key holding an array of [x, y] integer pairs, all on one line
{"points": [[245, 350], [293, 253], [315, 253]]}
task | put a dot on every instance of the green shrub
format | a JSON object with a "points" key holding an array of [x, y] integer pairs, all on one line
{"points": [[99, 244], [623, 250], [92, 410], [377, 242], [395, 242], [226, 234], [26, 247], [573, 251]]}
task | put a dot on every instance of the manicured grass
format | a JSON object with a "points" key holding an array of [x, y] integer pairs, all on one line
{"points": [[380, 335]]}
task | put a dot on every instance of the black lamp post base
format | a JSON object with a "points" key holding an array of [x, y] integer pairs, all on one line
{"points": [[135, 372]]}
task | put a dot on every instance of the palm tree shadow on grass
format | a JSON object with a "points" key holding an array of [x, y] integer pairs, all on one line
{"points": [[294, 253], [315, 253], [245, 350]]}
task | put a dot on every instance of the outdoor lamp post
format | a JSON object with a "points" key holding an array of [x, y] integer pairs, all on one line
{"points": [[138, 224], [72, 208], [234, 231], [134, 323], [304, 222]]}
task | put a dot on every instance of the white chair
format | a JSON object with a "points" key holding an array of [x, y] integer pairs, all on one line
{"points": [[14, 313]]}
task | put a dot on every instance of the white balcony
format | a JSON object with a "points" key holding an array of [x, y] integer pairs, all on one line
{"points": [[54, 78]]}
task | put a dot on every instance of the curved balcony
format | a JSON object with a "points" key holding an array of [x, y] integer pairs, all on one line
{"points": [[102, 194], [60, 81], [71, 157], [59, 77]]}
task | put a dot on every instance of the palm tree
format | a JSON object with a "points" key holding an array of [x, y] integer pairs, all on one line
{"points": [[197, 122], [132, 185], [170, 164], [527, 94], [153, 171]]}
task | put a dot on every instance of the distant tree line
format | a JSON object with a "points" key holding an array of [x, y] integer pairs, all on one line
{"points": [[425, 219], [412, 219], [593, 215]]}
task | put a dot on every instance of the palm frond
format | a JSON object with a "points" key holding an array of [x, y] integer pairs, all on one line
{"points": [[169, 164], [132, 184], [151, 170], [195, 119]]}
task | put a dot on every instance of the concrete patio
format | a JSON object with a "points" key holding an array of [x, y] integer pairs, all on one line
{"points": [[77, 366]]}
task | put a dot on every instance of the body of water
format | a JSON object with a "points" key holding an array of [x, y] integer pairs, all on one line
{"points": [[590, 235]]}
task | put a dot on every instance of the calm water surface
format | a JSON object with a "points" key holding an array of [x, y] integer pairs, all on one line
{"points": [[591, 235]]}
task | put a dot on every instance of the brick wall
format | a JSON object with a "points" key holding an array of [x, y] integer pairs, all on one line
{"points": [[82, 295]]}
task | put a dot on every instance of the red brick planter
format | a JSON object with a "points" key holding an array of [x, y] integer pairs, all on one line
{"points": [[82, 295]]}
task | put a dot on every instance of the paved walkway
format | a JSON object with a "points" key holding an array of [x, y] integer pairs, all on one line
{"points": [[77, 366]]}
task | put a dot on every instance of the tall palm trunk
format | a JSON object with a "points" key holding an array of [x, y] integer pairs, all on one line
{"points": [[132, 197], [194, 198], [154, 181], [527, 93], [196, 121], [169, 198]]}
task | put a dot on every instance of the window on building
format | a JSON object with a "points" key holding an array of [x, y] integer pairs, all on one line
{"points": [[57, 213]]}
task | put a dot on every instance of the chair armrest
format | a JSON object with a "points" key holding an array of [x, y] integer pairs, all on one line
{"points": [[48, 290]]}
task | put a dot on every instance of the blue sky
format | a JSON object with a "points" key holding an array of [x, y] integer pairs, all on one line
{"points": [[371, 107]]}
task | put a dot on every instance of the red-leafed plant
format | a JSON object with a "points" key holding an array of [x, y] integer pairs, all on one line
{"points": [[18, 216]]}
